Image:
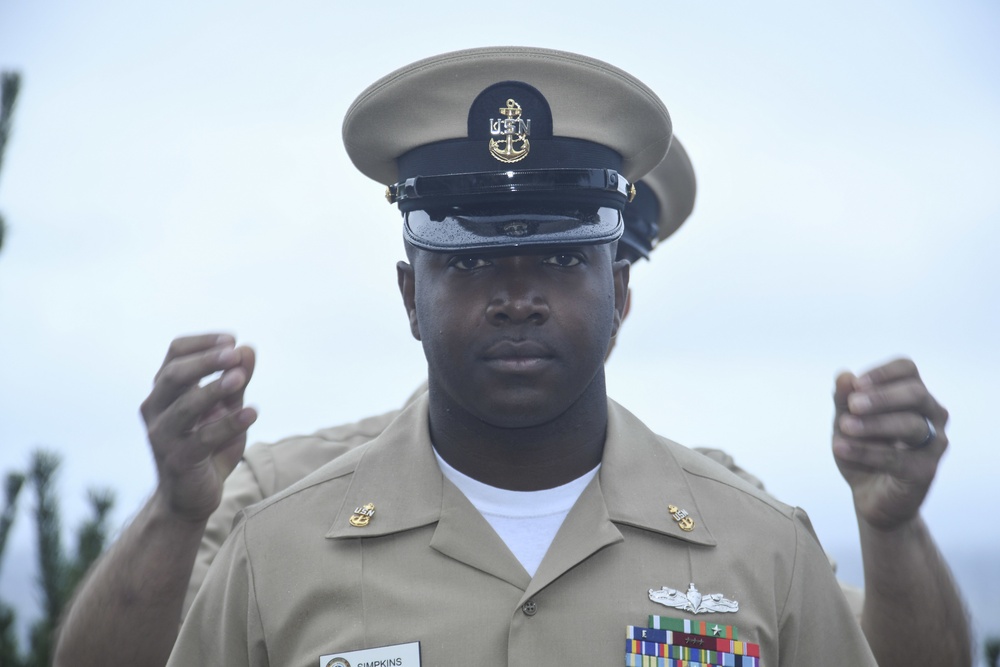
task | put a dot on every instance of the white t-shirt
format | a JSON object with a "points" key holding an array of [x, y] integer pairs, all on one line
{"points": [[527, 521]]}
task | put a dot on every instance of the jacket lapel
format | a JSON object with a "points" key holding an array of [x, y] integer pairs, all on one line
{"points": [[463, 534], [639, 481], [399, 475], [586, 530]]}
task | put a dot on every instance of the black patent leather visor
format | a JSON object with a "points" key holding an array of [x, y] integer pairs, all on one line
{"points": [[604, 187], [483, 227]]}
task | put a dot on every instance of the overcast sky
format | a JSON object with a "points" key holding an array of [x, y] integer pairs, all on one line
{"points": [[179, 168]]}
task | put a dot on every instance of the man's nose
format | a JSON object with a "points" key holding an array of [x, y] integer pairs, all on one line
{"points": [[517, 299]]}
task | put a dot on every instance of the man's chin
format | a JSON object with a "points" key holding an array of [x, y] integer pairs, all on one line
{"points": [[521, 409]]}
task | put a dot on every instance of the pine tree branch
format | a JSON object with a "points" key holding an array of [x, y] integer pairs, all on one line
{"points": [[50, 556], [10, 85], [10, 651], [92, 537], [12, 489]]}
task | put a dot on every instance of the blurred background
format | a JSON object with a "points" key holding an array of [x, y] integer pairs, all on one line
{"points": [[179, 168]]}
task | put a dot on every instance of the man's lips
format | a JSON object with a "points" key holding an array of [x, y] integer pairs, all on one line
{"points": [[517, 355]]}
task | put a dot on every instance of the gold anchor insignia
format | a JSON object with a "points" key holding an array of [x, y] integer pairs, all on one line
{"points": [[514, 145], [683, 519], [362, 515]]}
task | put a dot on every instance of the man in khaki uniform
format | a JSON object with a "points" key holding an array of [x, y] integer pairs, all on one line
{"points": [[513, 514], [664, 200], [656, 212]]}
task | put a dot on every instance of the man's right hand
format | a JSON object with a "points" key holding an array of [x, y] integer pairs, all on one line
{"points": [[198, 431]]}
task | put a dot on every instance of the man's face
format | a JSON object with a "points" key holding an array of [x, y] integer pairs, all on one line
{"points": [[515, 339]]}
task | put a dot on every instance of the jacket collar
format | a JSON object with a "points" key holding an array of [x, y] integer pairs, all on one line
{"points": [[396, 472], [640, 478]]}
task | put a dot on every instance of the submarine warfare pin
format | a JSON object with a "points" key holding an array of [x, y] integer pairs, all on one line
{"points": [[693, 601]]}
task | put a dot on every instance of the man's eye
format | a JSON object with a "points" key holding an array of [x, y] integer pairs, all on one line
{"points": [[469, 263], [563, 259]]}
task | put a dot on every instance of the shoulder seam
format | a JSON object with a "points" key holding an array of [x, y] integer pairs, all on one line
{"points": [[758, 495], [295, 489]]}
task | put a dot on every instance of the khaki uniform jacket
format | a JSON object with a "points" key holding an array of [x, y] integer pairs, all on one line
{"points": [[268, 468], [296, 580]]}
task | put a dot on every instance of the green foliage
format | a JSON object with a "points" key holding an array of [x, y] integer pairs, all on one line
{"points": [[992, 650], [9, 650], [8, 637], [58, 575], [12, 488], [91, 538], [50, 556], [10, 85]]}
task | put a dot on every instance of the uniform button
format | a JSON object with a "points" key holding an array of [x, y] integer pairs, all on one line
{"points": [[529, 608]]}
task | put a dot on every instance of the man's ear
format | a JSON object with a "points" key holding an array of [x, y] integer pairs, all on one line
{"points": [[407, 289], [621, 273]]}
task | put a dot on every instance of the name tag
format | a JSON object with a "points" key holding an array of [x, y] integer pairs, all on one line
{"points": [[398, 655]]}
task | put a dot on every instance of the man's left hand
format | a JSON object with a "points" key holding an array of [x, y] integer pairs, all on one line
{"points": [[888, 437]]}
